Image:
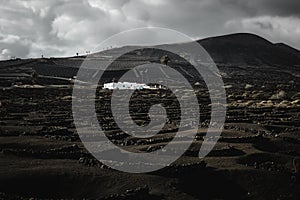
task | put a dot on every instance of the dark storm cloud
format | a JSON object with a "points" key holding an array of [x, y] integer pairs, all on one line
{"points": [[64, 27], [284, 8]]}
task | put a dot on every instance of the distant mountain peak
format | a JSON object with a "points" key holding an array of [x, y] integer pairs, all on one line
{"points": [[249, 49], [238, 38]]}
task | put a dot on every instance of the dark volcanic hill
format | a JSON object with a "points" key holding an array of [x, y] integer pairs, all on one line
{"points": [[249, 49], [239, 49]]}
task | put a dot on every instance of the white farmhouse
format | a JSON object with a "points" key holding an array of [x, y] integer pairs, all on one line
{"points": [[125, 86]]}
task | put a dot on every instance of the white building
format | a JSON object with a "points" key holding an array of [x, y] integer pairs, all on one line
{"points": [[125, 86]]}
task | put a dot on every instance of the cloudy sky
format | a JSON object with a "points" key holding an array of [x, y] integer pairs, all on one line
{"points": [[64, 27]]}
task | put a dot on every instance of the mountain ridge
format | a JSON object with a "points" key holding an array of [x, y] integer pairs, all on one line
{"points": [[249, 49]]}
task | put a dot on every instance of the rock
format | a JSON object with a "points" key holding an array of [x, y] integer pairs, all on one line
{"points": [[296, 102], [248, 86], [283, 104], [228, 86], [280, 95], [67, 98]]}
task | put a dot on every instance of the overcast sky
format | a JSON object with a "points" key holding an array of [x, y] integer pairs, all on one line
{"points": [[64, 27]]}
